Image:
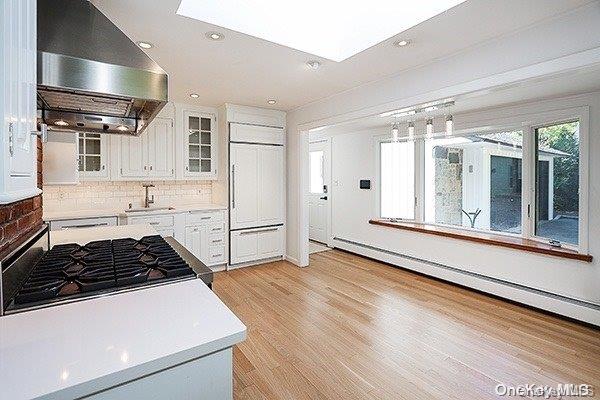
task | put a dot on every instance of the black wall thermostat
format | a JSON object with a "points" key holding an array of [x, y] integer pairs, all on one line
{"points": [[365, 184]]}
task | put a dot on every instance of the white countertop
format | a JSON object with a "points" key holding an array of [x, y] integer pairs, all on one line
{"points": [[57, 215], [78, 348]]}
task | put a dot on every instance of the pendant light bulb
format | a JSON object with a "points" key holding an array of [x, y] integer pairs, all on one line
{"points": [[429, 128], [411, 130], [449, 125], [395, 132]]}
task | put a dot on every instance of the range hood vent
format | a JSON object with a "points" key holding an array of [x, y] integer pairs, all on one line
{"points": [[91, 76]]}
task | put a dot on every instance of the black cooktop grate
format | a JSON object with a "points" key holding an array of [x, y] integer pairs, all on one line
{"points": [[71, 270]]}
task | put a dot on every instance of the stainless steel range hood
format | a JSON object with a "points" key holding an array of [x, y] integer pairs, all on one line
{"points": [[91, 76]]}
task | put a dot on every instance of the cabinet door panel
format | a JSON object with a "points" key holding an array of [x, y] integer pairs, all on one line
{"points": [[244, 185], [133, 156], [270, 185], [160, 148], [193, 240]]}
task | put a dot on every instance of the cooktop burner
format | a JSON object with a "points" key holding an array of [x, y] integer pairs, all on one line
{"points": [[71, 270]]}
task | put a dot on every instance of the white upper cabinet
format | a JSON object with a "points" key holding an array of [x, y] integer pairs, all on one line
{"points": [[199, 145], [93, 156], [18, 46], [150, 155], [160, 148]]}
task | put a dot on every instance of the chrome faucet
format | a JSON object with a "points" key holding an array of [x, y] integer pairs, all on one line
{"points": [[148, 200]]}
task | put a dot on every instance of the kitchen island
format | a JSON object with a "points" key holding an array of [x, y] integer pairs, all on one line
{"points": [[172, 341]]}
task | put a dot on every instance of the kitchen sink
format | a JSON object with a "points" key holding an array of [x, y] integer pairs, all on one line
{"points": [[144, 209]]}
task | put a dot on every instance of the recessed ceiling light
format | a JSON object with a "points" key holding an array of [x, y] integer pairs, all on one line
{"points": [[215, 36], [194, 95], [313, 64], [402, 42], [271, 101], [61, 122], [336, 32], [145, 45], [122, 128]]}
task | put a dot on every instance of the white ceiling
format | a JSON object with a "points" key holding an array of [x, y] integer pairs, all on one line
{"points": [[246, 70]]}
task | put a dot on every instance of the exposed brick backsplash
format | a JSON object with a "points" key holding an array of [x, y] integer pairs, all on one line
{"points": [[20, 219]]}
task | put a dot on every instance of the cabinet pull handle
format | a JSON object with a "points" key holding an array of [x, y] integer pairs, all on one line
{"points": [[145, 167], [195, 229], [259, 231], [217, 255], [205, 217], [233, 186], [154, 223], [216, 229], [64, 228], [151, 168], [217, 240]]}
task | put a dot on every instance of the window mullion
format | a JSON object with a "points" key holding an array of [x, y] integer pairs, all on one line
{"points": [[528, 184]]}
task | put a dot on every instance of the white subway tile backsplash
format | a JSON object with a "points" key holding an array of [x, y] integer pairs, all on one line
{"points": [[104, 195]]}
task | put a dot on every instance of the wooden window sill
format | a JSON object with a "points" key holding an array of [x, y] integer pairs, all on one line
{"points": [[486, 238]]}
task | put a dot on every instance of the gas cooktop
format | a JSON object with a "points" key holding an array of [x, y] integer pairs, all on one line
{"points": [[71, 271]]}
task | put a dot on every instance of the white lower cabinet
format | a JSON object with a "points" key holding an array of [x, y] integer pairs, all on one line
{"points": [[205, 236], [79, 223], [256, 244]]}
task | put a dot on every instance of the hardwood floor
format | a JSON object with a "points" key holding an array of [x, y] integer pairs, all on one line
{"points": [[352, 328]]}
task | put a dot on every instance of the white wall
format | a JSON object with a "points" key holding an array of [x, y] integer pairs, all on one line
{"points": [[567, 43]]}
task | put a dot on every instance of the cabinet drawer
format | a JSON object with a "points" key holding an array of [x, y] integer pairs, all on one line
{"points": [[216, 254], [158, 221], [203, 217], [82, 223], [216, 240], [256, 244]]}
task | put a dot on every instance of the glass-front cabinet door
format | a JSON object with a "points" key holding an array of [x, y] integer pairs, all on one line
{"points": [[200, 145], [93, 151]]}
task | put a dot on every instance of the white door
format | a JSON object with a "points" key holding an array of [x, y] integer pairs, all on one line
{"points": [[244, 185], [133, 156], [319, 196], [270, 185], [160, 148]]}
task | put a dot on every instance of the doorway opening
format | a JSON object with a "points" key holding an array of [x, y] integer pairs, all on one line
{"points": [[319, 194]]}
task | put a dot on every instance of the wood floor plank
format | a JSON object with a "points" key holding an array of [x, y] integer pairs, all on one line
{"points": [[347, 327]]}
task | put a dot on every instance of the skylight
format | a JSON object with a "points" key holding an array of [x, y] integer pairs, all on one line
{"points": [[332, 29]]}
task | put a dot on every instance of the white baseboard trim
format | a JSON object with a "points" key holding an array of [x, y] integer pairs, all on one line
{"points": [[572, 308]]}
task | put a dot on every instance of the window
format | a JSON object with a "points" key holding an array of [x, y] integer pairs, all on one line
{"points": [[316, 172], [397, 180], [475, 181], [557, 182], [89, 152]]}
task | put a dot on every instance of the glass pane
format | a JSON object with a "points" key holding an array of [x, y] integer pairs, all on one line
{"points": [[398, 180], [205, 151], [194, 151], [92, 146], [194, 137], [80, 164], [316, 172], [205, 165], [205, 137], [194, 165], [81, 146], [557, 182], [474, 181], [206, 124], [92, 163], [194, 123]]}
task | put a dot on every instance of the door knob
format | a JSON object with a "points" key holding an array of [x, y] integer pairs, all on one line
{"points": [[323, 198]]}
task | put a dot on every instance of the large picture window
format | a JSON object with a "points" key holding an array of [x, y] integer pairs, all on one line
{"points": [[474, 181], [397, 180], [521, 180]]}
